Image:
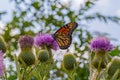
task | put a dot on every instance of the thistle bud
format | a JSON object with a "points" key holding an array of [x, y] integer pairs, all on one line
{"points": [[43, 55], [113, 66], [99, 60], [69, 62], [26, 57], [2, 44]]}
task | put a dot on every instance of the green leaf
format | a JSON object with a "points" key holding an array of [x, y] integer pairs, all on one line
{"points": [[36, 5], [115, 52]]}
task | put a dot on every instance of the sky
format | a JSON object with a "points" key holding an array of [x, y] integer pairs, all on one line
{"points": [[106, 7]]}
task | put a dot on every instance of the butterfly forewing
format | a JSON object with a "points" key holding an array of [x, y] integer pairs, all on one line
{"points": [[63, 35], [72, 26]]}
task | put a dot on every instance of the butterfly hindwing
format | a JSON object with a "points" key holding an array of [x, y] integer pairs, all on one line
{"points": [[63, 35], [63, 41]]}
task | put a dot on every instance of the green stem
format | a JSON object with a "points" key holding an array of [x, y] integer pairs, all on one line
{"points": [[95, 75], [34, 67], [17, 68], [24, 75], [114, 77], [5, 75], [90, 67], [39, 76], [103, 74], [100, 62], [71, 75]]}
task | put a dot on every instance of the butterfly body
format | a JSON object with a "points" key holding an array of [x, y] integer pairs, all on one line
{"points": [[63, 36]]}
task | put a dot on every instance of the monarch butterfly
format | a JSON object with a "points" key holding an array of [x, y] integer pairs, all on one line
{"points": [[63, 35]]}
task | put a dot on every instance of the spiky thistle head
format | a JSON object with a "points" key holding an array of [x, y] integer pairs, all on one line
{"points": [[101, 44], [47, 40], [69, 62], [43, 55], [26, 42]]}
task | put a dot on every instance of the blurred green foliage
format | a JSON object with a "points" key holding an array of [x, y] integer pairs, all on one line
{"points": [[35, 16]]}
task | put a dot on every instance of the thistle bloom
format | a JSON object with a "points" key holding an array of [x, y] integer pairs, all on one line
{"points": [[1, 64], [26, 55], [26, 41], [101, 44], [47, 40]]}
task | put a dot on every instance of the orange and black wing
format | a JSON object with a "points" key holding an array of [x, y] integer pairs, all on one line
{"points": [[63, 35]]}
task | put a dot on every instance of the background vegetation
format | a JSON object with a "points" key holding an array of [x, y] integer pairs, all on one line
{"points": [[46, 16]]}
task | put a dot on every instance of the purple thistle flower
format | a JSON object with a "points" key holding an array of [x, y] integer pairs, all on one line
{"points": [[101, 44], [1, 64], [26, 41], [47, 40]]}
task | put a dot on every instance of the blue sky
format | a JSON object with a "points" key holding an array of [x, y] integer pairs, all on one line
{"points": [[106, 7]]}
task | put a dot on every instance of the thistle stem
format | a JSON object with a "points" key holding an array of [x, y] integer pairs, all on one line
{"points": [[90, 67], [114, 77], [5, 76], [95, 75], [17, 68]]}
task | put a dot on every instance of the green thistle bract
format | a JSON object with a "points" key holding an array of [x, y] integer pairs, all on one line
{"points": [[43, 55], [113, 66], [69, 62], [27, 57], [99, 61]]}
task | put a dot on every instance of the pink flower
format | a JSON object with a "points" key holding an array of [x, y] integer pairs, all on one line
{"points": [[46, 40], [1, 64], [26, 41], [101, 43]]}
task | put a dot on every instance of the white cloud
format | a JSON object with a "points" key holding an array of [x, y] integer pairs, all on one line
{"points": [[103, 3], [65, 2], [118, 13], [15, 32], [1, 27], [75, 3], [79, 2]]}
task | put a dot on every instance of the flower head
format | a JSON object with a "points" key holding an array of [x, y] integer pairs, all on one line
{"points": [[26, 57], [1, 64], [69, 61], [47, 40], [43, 55], [101, 44], [26, 41]]}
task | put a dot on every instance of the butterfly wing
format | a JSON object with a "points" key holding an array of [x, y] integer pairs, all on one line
{"points": [[63, 35], [63, 41]]}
